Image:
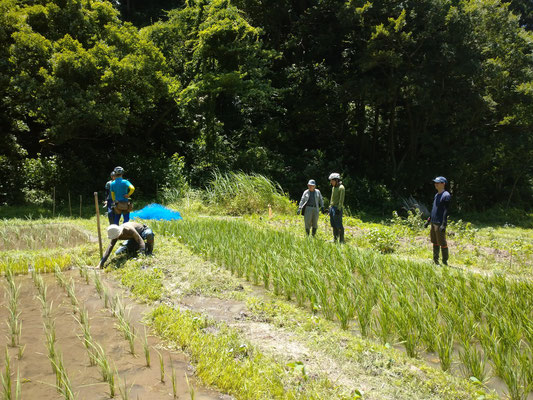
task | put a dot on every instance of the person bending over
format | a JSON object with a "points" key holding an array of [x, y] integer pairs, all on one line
{"points": [[135, 235]]}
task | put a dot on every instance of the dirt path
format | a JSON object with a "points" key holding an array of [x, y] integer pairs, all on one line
{"points": [[35, 369]]}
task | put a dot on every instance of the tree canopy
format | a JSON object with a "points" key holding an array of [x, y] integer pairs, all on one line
{"points": [[389, 93]]}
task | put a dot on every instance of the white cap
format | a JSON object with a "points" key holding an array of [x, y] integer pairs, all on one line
{"points": [[113, 231], [334, 175], [311, 182]]}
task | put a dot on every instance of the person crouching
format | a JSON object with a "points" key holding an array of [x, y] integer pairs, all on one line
{"points": [[135, 235]]}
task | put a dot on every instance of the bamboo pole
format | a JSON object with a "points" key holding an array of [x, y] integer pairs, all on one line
{"points": [[69, 205], [98, 223]]}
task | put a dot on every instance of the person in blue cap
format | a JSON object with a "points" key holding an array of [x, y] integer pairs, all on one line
{"points": [[310, 203], [439, 220]]}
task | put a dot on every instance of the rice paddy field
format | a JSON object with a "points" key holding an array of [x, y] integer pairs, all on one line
{"points": [[250, 308]]}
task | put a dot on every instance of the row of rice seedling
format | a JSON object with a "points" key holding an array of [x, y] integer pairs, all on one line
{"points": [[96, 353], [37, 236], [490, 318], [14, 322], [63, 384]]}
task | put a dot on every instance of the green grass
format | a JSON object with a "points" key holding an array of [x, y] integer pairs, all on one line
{"points": [[234, 366]]}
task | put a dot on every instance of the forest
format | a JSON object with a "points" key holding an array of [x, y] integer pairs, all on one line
{"points": [[388, 93]]}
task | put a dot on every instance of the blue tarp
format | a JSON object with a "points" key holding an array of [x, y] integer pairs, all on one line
{"points": [[156, 211]]}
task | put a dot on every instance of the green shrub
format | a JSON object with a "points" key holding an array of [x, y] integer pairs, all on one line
{"points": [[383, 240]]}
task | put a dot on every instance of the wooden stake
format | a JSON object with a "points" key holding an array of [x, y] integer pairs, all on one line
{"points": [[80, 205], [69, 205], [54, 204], [98, 223]]}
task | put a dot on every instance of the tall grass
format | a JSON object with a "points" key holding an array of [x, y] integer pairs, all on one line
{"points": [[239, 193], [391, 298]]}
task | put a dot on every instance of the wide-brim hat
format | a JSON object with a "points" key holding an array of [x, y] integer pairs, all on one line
{"points": [[114, 231]]}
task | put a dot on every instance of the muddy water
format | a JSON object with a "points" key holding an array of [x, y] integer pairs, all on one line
{"points": [[35, 369]]}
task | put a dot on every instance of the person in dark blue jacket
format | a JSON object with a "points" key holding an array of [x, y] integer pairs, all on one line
{"points": [[109, 203], [439, 220]]}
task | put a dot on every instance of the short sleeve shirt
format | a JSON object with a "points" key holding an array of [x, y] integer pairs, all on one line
{"points": [[120, 187]]}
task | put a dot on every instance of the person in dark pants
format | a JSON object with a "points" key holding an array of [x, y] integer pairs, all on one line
{"points": [[439, 220], [135, 235], [336, 207], [109, 200], [121, 191]]}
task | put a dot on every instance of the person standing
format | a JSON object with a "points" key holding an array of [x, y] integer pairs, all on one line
{"points": [[336, 206], [439, 220], [109, 200], [310, 202], [121, 190]]}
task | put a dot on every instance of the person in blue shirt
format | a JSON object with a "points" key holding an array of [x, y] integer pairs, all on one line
{"points": [[108, 203], [121, 190], [439, 220]]}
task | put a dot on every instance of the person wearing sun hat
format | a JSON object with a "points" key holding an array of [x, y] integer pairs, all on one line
{"points": [[310, 202], [135, 235], [439, 220]]}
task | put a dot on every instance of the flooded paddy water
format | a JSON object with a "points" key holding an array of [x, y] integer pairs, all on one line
{"points": [[35, 370]]}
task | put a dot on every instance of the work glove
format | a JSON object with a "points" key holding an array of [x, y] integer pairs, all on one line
{"points": [[442, 228], [426, 224], [299, 211]]}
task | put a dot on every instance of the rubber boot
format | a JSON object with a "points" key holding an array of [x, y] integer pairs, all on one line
{"points": [[307, 232], [341, 235], [436, 251], [313, 232], [445, 255], [335, 234]]}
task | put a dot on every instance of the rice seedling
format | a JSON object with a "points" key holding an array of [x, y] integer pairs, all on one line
{"points": [[20, 352], [173, 379], [473, 361], [87, 338], [60, 277], [127, 329], [445, 348], [124, 390], [146, 349], [18, 388], [161, 367], [6, 377], [106, 369], [13, 321], [98, 284], [63, 384], [191, 388]]}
